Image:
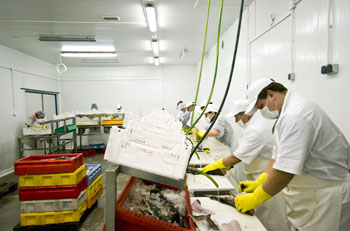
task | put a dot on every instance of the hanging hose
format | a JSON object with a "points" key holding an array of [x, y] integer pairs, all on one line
{"points": [[228, 83], [201, 68], [215, 72]]}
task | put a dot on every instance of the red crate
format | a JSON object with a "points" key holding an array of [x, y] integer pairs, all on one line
{"points": [[43, 164], [52, 192], [87, 152], [129, 220]]}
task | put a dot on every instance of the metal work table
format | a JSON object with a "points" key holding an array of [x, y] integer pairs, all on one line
{"points": [[53, 140], [99, 124], [111, 188]]}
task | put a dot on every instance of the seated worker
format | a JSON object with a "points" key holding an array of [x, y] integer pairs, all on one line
{"points": [[33, 120], [255, 151]]}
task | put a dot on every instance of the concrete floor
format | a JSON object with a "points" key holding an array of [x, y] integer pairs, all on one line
{"points": [[10, 205]]}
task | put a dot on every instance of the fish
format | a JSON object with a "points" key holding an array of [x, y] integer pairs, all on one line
{"points": [[228, 200], [217, 172], [232, 226], [197, 207], [204, 222]]}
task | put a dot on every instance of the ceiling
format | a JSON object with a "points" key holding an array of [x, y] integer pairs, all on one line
{"points": [[181, 25]]}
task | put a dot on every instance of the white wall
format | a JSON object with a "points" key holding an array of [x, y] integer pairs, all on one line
{"points": [[27, 72], [133, 87], [295, 42]]}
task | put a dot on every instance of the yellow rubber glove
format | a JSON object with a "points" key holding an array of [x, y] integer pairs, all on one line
{"points": [[206, 149], [250, 186], [216, 165], [200, 133], [193, 131], [195, 139], [44, 126], [250, 201]]}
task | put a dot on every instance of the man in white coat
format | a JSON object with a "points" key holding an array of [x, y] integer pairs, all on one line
{"points": [[310, 163], [255, 151]]}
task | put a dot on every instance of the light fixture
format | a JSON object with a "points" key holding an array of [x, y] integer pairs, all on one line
{"points": [[151, 17], [156, 60], [88, 54], [100, 60], [67, 39], [87, 48], [155, 46]]}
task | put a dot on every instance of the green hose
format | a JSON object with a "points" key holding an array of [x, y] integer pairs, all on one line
{"points": [[228, 83], [215, 72], [201, 69]]}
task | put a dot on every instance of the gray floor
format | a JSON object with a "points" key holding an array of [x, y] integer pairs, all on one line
{"points": [[10, 205]]}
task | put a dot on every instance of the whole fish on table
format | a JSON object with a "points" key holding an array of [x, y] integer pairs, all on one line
{"points": [[217, 172]]}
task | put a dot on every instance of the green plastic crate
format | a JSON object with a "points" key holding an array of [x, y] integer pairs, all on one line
{"points": [[69, 127]]}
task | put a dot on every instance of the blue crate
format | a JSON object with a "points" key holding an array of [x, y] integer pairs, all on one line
{"points": [[92, 175]]}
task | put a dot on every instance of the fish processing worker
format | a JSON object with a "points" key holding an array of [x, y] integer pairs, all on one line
{"points": [[187, 115], [33, 120], [181, 111], [255, 150], [202, 124], [222, 130], [310, 162]]}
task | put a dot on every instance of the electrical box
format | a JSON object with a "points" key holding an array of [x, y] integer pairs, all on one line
{"points": [[291, 76], [329, 69]]}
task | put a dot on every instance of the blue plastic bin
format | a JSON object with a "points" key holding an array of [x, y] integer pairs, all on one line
{"points": [[94, 173]]}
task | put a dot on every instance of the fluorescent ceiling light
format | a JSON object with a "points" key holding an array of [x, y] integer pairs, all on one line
{"points": [[87, 48], [155, 46], [100, 61], [88, 54], [151, 17], [66, 39], [156, 61]]}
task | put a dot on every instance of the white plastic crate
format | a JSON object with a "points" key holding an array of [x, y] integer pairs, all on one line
{"points": [[169, 163], [36, 131], [40, 206]]}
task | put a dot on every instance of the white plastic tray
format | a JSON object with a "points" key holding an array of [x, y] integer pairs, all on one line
{"points": [[39, 206], [205, 158], [225, 213], [31, 132], [198, 183]]}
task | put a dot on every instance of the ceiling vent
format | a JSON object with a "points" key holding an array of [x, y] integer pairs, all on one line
{"points": [[111, 18], [67, 39]]}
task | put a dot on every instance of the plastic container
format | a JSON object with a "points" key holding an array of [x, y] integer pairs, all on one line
{"points": [[52, 217], [46, 164], [52, 179], [94, 185], [94, 196], [129, 220], [41, 206], [69, 127], [52, 192], [112, 122], [87, 152], [92, 175]]}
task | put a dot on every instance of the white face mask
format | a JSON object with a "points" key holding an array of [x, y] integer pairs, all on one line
{"points": [[241, 124], [269, 114], [208, 120]]}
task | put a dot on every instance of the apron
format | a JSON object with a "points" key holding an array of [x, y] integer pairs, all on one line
{"points": [[345, 205], [313, 203], [272, 213]]}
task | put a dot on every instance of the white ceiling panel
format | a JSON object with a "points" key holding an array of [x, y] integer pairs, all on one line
{"points": [[180, 26]]}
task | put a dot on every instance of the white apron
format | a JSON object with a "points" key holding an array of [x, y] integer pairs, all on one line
{"points": [[272, 213], [313, 203], [345, 206]]}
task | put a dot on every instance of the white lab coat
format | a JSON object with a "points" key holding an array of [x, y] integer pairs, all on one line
{"points": [[309, 145], [179, 116], [255, 151]]}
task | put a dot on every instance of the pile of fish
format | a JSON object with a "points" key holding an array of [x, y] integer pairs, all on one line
{"points": [[157, 202]]}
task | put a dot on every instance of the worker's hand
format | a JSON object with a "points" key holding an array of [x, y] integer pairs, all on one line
{"points": [[206, 149], [250, 186], [200, 133], [44, 126], [250, 201], [216, 165], [193, 131]]}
